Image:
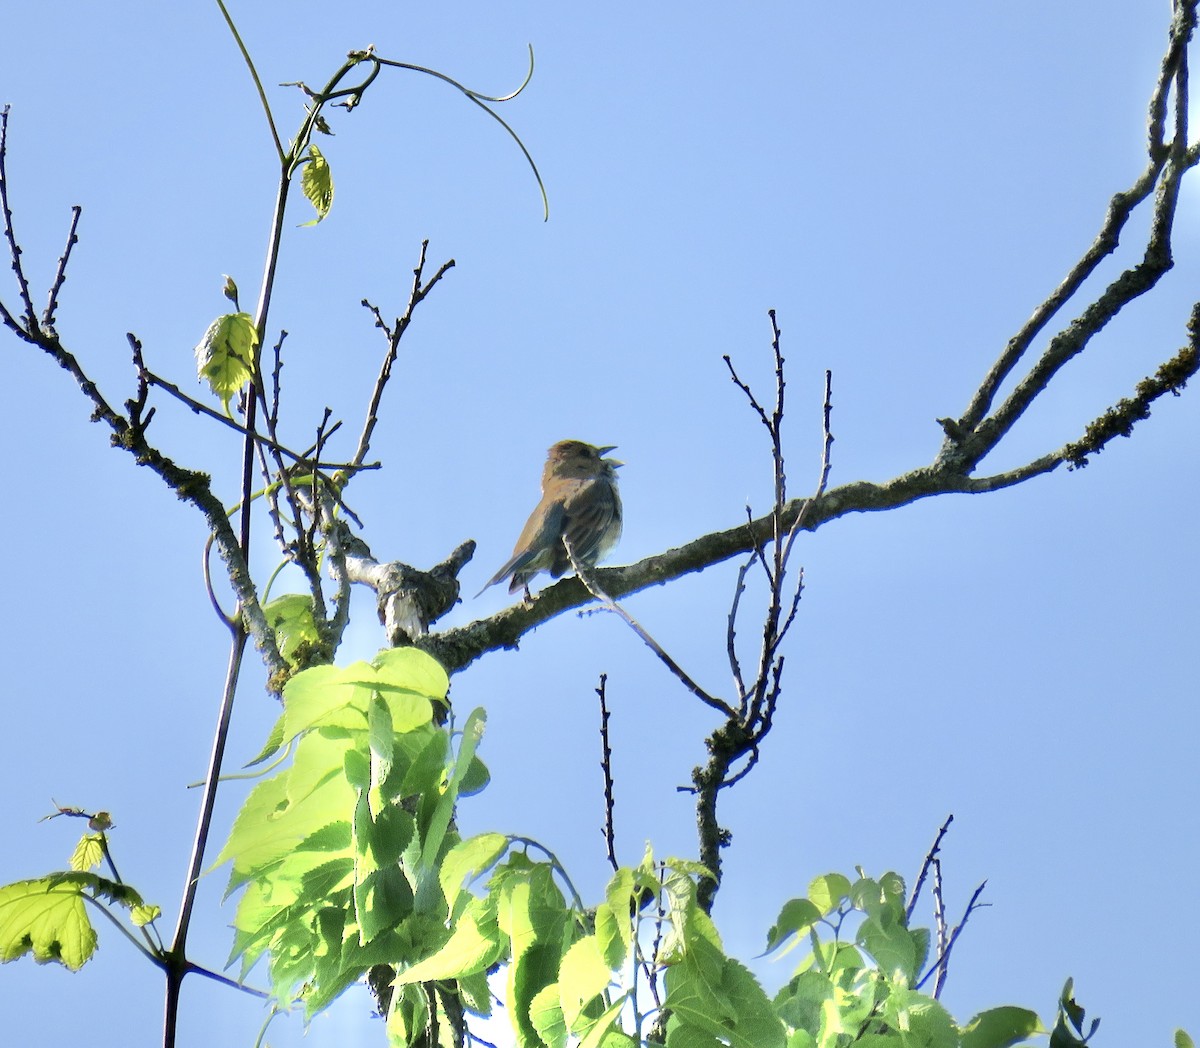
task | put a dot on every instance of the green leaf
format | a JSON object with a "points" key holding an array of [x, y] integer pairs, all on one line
{"points": [[143, 914], [46, 917], [601, 1032], [582, 977], [531, 911], [381, 739], [383, 899], [317, 182], [828, 891], [271, 746], [291, 617], [88, 853], [435, 834], [323, 696], [225, 355], [799, 1003], [329, 696], [1183, 1040], [1000, 1027], [467, 860], [285, 810], [546, 1017], [474, 946], [891, 944], [797, 915], [412, 670], [719, 997], [475, 779], [922, 1021]]}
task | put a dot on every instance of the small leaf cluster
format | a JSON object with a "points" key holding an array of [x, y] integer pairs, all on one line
{"points": [[47, 916], [864, 989], [339, 853]]}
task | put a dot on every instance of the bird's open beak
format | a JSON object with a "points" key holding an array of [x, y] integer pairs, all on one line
{"points": [[605, 451]]}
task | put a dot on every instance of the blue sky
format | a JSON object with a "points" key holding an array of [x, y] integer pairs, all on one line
{"points": [[902, 185]]}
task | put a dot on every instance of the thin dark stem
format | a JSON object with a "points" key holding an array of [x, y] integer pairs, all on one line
{"points": [[176, 957], [735, 665], [60, 274], [930, 856], [940, 969], [589, 581], [224, 980], [395, 333], [11, 236], [606, 767], [300, 458], [262, 94]]}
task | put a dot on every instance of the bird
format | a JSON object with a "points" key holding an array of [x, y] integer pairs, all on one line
{"points": [[580, 507]]}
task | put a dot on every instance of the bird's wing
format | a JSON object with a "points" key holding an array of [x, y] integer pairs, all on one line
{"points": [[589, 515], [541, 530]]}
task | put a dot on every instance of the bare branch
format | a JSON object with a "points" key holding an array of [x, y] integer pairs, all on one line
{"points": [[31, 325], [302, 459], [735, 665], [973, 436], [394, 333], [930, 856], [610, 835], [940, 968], [60, 275]]}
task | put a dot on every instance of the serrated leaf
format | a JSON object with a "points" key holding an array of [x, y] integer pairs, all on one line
{"points": [[546, 1017], [601, 1033], [88, 853], [468, 859], [283, 811], [439, 824], [144, 913], [225, 355], [582, 977], [891, 944], [474, 945], [800, 1003], [720, 997], [797, 915], [828, 891], [317, 182], [411, 670], [922, 1020], [46, 917]]}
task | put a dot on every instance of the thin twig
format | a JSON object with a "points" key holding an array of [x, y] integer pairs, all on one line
{"points": [[276, 377], [299, 458], [416, 295], [930, 856], [606, 767], [11, 236], [593, 587], [731, 630], [967, 440], [60, 274], [941, 965]]}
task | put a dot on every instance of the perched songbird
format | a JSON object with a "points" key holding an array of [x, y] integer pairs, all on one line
{"points": [[580, 507]]}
